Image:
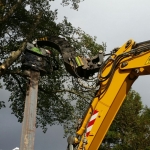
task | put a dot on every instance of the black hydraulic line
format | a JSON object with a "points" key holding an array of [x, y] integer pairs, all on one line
{"points": [[116, 62], [141, 43], [111, 75], [126, 54], [110, 72]]}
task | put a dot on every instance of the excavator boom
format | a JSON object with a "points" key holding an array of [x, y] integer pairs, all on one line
{"points": [[116, 76]]}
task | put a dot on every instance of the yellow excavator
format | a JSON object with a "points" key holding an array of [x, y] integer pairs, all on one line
{"points": [[116, 75]]}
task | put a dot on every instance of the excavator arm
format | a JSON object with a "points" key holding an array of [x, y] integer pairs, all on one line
{"points": [[116, 76]]}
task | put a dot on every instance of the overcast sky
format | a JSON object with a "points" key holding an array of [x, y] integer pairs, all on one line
{"points": [[113, 22]]}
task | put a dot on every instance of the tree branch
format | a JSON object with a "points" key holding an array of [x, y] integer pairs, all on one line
{"points": [[13, 57], [24, 93], [17, 72], [11, 11], [15, 54], [65, 90]]}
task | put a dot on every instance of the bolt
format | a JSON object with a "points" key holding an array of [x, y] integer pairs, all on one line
{"points": [[84, 140], [137, 70], [124, 64]]}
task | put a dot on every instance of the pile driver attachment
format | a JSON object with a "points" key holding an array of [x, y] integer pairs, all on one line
{"points": [[77, 65]]}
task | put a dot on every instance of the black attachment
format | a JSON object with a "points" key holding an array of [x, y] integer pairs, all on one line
{"points": [[38, 59]]}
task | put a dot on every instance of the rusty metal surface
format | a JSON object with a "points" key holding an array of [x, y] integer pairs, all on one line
{"points": [[29, 120]]}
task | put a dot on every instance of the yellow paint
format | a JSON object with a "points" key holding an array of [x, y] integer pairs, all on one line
{"points": [[43, 39], [111, 100], [148, 61]]}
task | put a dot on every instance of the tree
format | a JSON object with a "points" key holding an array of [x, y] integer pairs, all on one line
{"points": [[21, 22], [130, 129]]}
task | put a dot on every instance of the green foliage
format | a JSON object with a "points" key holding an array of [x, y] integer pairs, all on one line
{"points": [[2, 104], [75, 3], [130, 129], [21, 21]]}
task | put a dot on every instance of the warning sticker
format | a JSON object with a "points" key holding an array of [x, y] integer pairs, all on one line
{"points": [[148, 61]]}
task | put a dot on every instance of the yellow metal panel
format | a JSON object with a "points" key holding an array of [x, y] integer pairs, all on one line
{"points": [[124, 48], [114, 87], [139, 61], [147, 61], [107, 103], [103, 122], [108, 106]]}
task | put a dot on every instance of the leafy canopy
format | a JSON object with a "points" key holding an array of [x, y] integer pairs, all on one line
{"points": [[22, 21]]}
